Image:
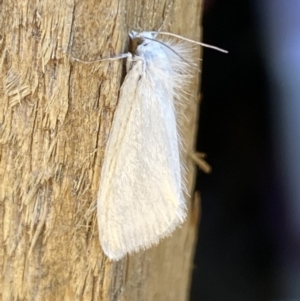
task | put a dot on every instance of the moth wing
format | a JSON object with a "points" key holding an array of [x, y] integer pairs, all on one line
{"points": [[140, 195]]}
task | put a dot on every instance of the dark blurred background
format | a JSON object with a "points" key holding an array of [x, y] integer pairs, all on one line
{"points": [[249, 236]]}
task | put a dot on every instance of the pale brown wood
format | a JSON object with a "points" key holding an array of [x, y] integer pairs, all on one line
{"points": [[55, 117]]}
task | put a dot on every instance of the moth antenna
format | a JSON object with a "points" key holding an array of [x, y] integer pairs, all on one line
{"points": [[114, 58], [192, 41], [192, 65]]}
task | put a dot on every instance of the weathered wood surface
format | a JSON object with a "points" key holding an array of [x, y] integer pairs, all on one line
{"points": [[55, 117]]}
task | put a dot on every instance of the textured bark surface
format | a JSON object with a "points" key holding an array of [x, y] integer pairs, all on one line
{"points": [[55, 117]]}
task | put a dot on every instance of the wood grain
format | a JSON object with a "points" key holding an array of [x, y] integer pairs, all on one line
{"points": [[55, 117]]}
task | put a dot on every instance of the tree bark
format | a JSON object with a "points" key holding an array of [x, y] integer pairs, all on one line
{"points": [[55, 117]]}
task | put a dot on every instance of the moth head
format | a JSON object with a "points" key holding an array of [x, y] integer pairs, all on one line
{"points": [[141, 38], [142, 35]]}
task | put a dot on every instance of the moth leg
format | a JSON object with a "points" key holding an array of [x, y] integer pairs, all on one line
{"points": [[130, 60], [199, 160]]}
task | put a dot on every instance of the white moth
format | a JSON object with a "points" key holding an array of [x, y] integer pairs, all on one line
{"points": [[140, 198]]}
